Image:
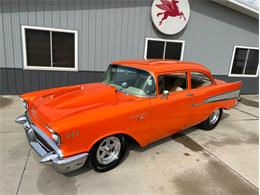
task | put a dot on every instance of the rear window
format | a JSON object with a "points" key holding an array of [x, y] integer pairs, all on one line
{"points": [[199, 80]]}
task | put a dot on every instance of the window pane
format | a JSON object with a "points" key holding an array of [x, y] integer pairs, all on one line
{"points": [[239, 61], [63, 49], [38, 47], [172, 82], [155, 49], [252, 62], [199, 80], [173, 51]]}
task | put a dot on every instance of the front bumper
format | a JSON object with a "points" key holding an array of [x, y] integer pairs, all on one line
{"points": [[48, 149]]}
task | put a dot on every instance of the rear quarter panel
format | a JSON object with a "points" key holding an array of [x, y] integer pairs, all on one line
{"points": [[219, 95]]}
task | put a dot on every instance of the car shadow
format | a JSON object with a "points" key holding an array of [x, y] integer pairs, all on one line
{"points": [[80, 171]]}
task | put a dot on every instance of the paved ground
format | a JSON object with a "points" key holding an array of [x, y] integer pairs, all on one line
{"points": [[222, 161]]}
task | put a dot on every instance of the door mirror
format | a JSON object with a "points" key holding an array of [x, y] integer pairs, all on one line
{"points": [[165, 94]]}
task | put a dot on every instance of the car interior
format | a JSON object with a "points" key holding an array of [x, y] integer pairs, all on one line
{"points": [[172, 82], [199, 80]]}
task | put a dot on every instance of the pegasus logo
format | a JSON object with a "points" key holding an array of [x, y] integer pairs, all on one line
{"points": [[171, 9]]}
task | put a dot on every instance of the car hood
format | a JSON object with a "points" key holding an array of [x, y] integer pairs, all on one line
{"points": [[66, 101]]}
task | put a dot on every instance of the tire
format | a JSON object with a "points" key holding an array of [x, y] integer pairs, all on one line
{"points": [[107, 153], [212, 122]]}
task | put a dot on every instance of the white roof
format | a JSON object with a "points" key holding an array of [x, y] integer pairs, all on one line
{"points": [[248, 7]]}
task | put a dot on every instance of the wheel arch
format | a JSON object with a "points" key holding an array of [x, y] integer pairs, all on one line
{"points": [[128, 137]]}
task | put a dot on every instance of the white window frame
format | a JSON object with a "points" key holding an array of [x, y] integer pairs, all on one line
{"points": [[164, 40], [232, 61], [25, 65]]}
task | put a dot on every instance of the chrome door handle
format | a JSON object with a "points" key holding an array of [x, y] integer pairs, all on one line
{"points": [[189, 94]]}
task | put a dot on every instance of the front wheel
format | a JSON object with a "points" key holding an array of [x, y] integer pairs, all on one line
{"points": [[108, 152], [212, 121]]}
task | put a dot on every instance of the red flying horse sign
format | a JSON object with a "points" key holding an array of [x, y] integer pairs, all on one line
{"points": [[170, 16]]}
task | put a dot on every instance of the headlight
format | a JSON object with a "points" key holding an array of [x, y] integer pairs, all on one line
{"points": [[56, 138], [25, 104], [54, 135]]}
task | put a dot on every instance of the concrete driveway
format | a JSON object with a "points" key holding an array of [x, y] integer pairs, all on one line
{"points": [[222, 161]]}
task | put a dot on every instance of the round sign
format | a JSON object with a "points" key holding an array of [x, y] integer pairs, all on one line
{"points": [[170, 16]]}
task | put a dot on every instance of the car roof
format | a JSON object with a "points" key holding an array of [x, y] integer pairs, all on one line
{"points": [[157, 66]]}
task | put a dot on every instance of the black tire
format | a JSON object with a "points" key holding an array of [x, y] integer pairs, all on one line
{"points": [[208, 125], [97, 165]]}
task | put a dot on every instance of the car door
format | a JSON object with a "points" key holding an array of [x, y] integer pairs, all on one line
{"points": [[201, 85], [170, 113]]}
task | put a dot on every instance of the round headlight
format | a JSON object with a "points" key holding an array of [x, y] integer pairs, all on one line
{"points": [[25, 105], [56, 138]]}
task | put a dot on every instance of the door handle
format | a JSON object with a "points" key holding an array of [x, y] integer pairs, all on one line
{"points": [[189, 94]]}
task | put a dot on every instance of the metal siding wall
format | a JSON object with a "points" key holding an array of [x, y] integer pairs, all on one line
{"points": [[212, 32], [115, 29], [2, 37]]}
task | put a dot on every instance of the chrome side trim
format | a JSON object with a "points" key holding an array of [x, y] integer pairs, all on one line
{"points": [[220, 97], [224, 96]]}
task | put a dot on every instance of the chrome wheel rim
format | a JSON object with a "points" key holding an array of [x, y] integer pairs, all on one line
{"points": [[108, 150], [214, 116]]}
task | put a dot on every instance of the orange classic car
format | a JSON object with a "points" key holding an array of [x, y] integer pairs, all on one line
{"points": [[141, 100]]}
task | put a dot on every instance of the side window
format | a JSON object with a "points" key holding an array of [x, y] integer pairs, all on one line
{"points": [[199, 80], [172, 82]]}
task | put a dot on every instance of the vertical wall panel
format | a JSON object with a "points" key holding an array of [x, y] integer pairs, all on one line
{"points": [[71, 14], [111, 33], [63, 14], [31, 8], [98, 35], [16, 34], [49, 79], [7, 31], [78, 27], [92, 35], [105, 37], [39, 14], [2, 37], [4, 89], [42, 79], [118, 24], [55, 14], [84, 33], [131, 29], [47, 13], [124, 30]]}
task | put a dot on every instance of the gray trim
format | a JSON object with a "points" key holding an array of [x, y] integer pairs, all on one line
{"points": [[249, 85], [224, 96], [17, 81]]}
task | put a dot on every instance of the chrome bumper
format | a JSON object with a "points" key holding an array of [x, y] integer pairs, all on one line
{"points": [[48, 149]]}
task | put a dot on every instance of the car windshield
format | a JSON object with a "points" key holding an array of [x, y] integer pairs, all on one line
{"points": [[130, 80]]}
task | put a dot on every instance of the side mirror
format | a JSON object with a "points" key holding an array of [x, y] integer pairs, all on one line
{"points": [[165, 94]]}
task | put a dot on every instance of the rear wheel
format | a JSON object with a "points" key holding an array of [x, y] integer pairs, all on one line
{"points": [[212, 121], [108, 152]]}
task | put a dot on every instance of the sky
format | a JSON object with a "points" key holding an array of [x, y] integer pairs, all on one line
{"points": [[251, 3]]}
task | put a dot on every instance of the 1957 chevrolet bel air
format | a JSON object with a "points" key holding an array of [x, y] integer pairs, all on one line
{"points": [[142, 100]]}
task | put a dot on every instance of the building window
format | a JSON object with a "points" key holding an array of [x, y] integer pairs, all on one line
{"points": [[244, 62], [163, 49], [49, 48]]}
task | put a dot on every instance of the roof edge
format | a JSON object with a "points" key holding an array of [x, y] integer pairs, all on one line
{"points": [[240, 7]]}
